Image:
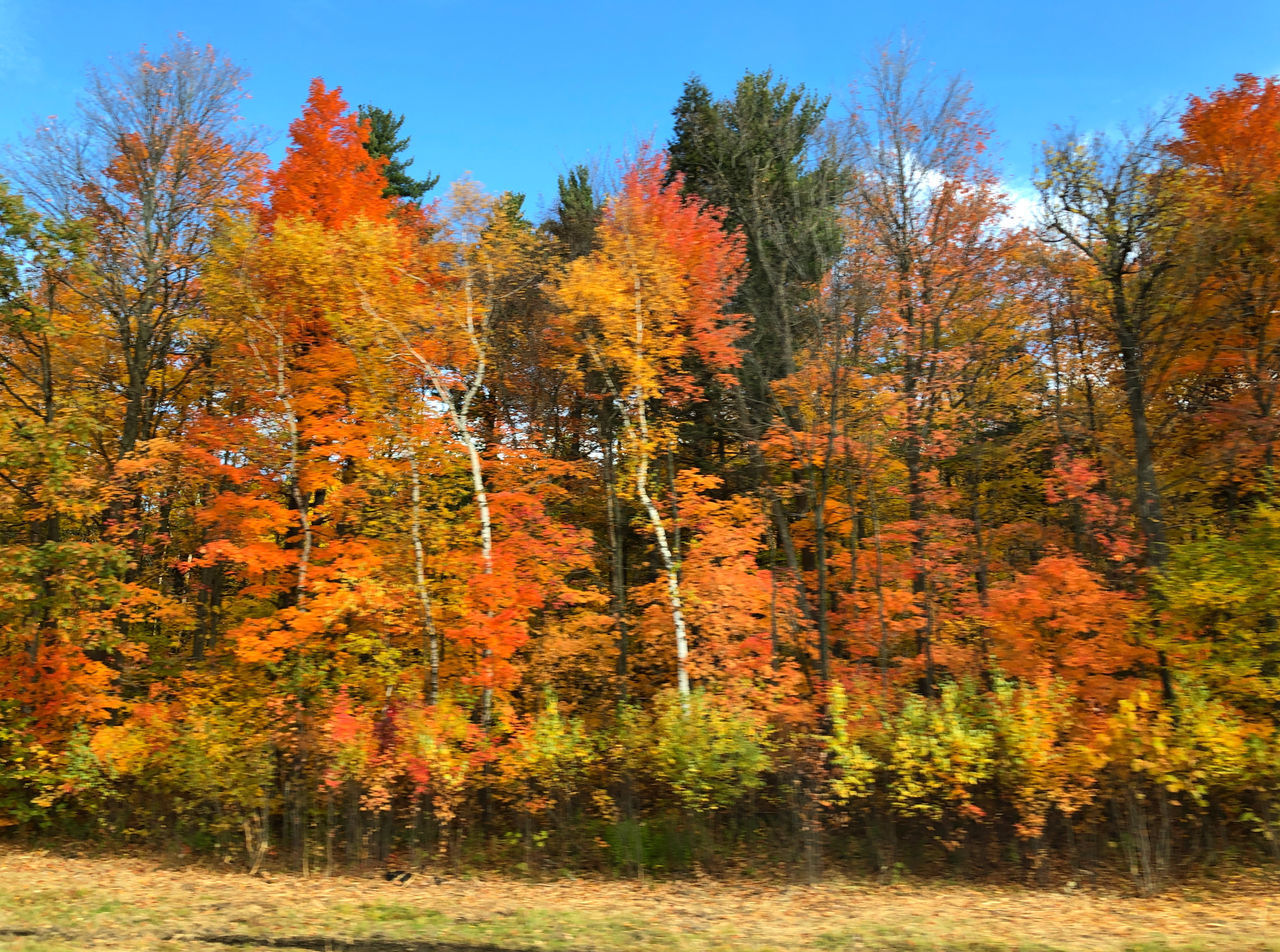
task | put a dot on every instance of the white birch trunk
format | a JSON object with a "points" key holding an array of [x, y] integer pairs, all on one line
{"points": [[655, 517], [459, 413]]}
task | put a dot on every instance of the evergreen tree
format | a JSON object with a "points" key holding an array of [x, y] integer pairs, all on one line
{"points": [[576, 214], [384, 131], [756, 155]]}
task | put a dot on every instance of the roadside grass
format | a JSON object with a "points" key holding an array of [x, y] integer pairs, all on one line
{"points": [[134, 904]]}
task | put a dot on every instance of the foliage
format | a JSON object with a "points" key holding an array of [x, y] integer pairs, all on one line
{"points": [[1223, 593], [785, 492], [1044, 757], [940, 755], [546, 760], [710, 752]]}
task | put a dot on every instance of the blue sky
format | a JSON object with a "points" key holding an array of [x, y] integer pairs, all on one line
{"points": [[515, 93]]}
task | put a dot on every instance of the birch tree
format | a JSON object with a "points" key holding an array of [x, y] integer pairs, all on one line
{"points": [[649, 299]]}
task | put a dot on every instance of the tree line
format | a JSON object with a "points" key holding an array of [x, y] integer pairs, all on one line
{"points": [[794, 501]]}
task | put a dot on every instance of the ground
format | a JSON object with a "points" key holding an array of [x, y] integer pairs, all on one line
{"points": [[51, 902]]}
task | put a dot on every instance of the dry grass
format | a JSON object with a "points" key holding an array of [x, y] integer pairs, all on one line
{"points": [[130, 903]]}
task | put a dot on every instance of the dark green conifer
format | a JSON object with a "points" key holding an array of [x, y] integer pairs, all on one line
{"points": [[384, 132]]}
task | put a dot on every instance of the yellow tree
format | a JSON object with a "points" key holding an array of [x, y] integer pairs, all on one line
{"points": [[437, 317], [650, 300]]}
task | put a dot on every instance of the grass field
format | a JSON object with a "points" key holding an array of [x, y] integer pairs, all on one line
{"points": [[50, 902]]}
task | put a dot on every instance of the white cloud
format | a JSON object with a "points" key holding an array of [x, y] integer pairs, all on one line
{"points": [[1024, 205]]}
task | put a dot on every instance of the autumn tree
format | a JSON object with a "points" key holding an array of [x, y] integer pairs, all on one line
{"points": [[137, 190], [1219, 393], [450, 316], [651, 298], [61, 581], [293, 433], [924, 208], [1228, 269], [327, 175], [156, 161], [1110, 201]]}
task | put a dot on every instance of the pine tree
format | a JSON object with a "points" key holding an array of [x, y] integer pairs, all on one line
{"points": [[576, 214], [755, 155], [384, 141]]}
